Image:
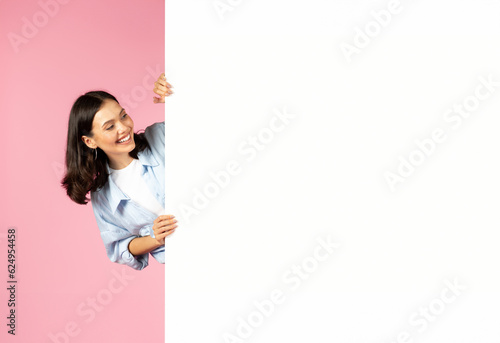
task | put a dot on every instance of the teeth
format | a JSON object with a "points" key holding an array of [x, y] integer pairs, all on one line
{"points": [[124, 139]]}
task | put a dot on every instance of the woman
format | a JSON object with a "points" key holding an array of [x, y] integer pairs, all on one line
{"points": [[124, 173]]}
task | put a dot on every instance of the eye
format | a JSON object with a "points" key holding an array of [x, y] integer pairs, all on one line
{"points": [[109, 127], [124, 115]]}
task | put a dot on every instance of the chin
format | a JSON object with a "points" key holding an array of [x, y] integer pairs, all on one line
{"points": [[132, 147]]}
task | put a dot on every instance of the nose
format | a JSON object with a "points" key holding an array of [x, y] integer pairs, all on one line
{"points": [[121, 128]]}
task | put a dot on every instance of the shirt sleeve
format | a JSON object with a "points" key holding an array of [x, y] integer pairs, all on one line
{"points": [[116, 240], [155, 134]]}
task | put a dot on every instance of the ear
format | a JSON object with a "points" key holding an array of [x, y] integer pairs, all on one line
{"points": [[89, 142]]}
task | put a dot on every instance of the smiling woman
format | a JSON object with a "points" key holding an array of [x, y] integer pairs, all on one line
{"points": [[124, 172], [112, 132]]}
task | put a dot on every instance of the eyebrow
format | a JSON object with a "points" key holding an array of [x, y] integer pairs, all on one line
{"points": [[123, 110]]}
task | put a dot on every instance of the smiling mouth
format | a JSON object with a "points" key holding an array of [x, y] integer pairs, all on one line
{"points": [[125, 140]]}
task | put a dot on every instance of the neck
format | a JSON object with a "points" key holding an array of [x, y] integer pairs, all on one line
{"points": [[120, 162]]}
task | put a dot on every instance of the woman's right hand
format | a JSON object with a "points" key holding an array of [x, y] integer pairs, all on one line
{"points": [[162, 88], [164, 226]]}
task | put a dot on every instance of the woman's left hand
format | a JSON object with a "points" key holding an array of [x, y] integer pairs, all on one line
{"points": [[162, 88], [164, 226]]}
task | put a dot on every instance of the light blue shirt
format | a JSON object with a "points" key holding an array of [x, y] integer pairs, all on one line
{"points": [[120, 219]]}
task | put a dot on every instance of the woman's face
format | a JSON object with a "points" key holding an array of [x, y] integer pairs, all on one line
{"points": [[113, 132]]}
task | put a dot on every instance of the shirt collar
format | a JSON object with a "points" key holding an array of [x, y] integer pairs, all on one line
{"points": [[115, 194], [147, 158]]}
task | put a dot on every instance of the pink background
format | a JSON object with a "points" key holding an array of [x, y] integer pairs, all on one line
{"points": [[73, 47]]}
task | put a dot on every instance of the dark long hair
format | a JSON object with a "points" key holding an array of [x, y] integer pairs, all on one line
{"points": [[84, 171]]}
